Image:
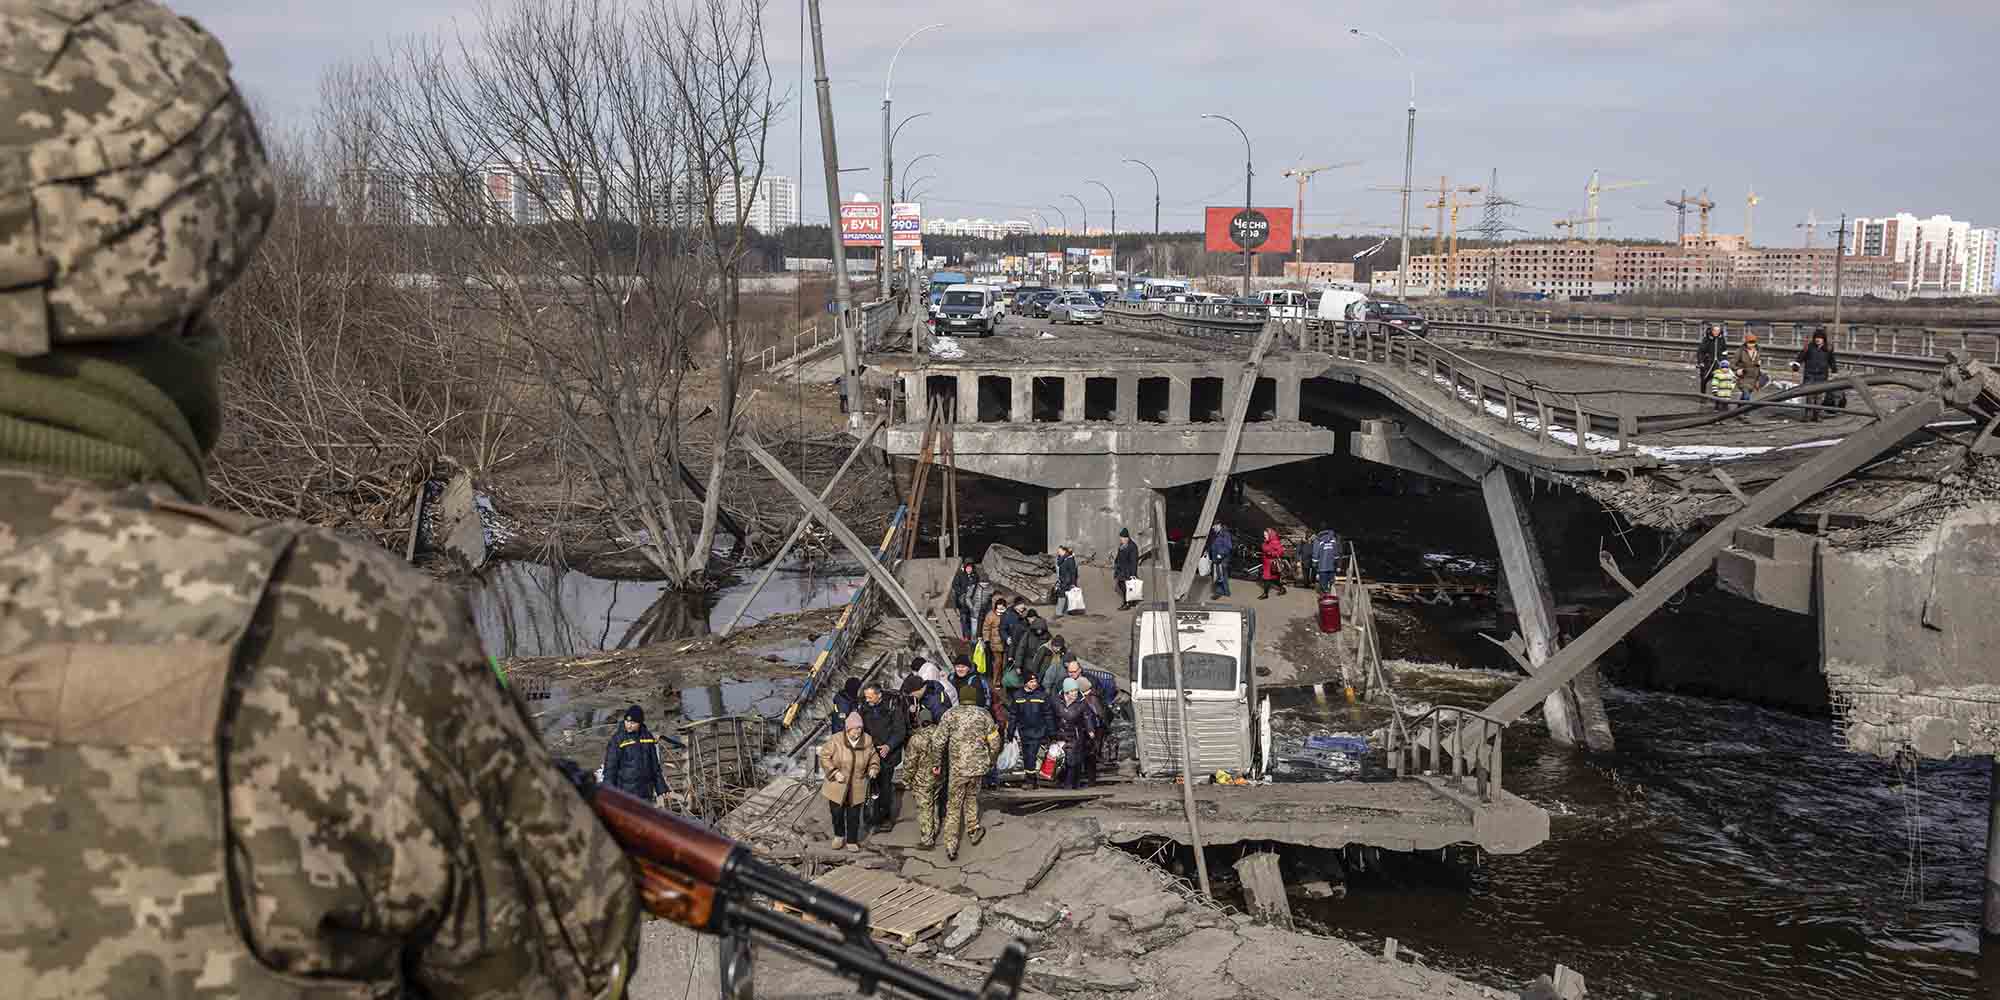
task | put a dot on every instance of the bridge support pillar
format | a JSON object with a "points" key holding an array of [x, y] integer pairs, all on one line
{"points": [[1088, 519], [1021, 409], [1178, 401], [1128, 399], [1073, 388], [968, 397], [1288, 398], [1575, 711]]}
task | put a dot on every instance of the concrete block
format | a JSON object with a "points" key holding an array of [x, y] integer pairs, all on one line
{"points": [[1032, 913], [964, 928], [1148, 912], [1781, 583], [1264, 887]]}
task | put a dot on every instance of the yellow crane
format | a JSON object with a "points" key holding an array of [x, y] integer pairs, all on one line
{"points": [[1571, 223], [1304, 174], [1594, 188], [1704, 206], [1749, 215], [1448, 200]]}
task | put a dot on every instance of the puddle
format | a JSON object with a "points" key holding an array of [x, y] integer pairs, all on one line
{"points": [[528, 609], [766, 698], [799, 654]]}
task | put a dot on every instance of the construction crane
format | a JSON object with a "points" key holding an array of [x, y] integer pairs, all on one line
{"points": [[1705, 206], [1304, 174], [1593, 189], [1749, 215], [1571, 223], [1812, 223], [1680, 207], [1448, 200]]}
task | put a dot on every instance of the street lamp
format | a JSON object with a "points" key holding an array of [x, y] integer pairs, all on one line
{"points": [[1409, 159], [1247, 174], [893, 136], [889, 166], [1060, 214], [1152, 261], [1085, 209], [908, 166], [1114, 222]]}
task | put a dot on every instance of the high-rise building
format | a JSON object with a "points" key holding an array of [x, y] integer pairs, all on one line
{"points": [[1571, 270], [774, 205], [1936, 256]]}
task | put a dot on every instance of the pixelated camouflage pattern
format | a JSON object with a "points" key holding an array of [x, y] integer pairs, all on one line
{"points": [[973, 736], [133, 184], [922, 753], [389, 820]]}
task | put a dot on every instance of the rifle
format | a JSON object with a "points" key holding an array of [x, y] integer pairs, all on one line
{"points": [[701, 879]]}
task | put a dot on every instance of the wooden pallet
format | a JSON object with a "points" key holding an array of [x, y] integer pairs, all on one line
{"points": [[898, 910]]}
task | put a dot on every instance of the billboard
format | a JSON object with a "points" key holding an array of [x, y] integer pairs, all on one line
{"points": [[1259, 230], [861, 224], [908, 225]]}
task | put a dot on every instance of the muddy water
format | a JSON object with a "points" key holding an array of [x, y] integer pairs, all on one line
{"points": [[528, 609], [1725, 850]]}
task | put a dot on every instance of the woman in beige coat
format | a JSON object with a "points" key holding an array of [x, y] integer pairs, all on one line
{"points": [[849, 762]]}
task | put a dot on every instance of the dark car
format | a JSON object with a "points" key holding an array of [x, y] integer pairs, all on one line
{"points": [[1101, 296], [1399, 316], [1039, 304]]}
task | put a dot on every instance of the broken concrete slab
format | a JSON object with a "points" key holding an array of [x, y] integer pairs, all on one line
{"points": [[1194, 965], [1149, 911], [964, 928], [1092, 978], [1034, 914], [1014, 856], [1264, 887], [1283, 965]]}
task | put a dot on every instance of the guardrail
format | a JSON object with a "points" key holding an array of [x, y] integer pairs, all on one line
{"points": [[1474, 746], [1640, 345], [876, 317], [1848, 339]]}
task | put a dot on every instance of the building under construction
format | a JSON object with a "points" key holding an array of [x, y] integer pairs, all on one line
{"points": [[1706, 262]]}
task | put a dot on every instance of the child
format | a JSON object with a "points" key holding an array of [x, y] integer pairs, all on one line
{"points": [[1722, 384]]}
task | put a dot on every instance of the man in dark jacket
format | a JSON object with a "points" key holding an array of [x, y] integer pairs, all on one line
{"points": [[1221, 549], [1125, 566], [887, 722], [972, 688], [1023, 654], [1818, 364], [925, 700], [1050, 666], [1013, 621], [1033, 720], [1708, 354], [1066, 577], [963, 585], [1326, 558], [632, 759]]}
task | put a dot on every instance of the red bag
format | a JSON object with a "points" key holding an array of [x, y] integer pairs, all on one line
{"points": [[1048, 767]]}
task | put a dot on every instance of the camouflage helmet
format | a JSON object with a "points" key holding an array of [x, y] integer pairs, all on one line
{"points": [[133, 185]]}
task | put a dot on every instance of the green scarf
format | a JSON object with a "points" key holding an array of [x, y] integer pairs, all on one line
{"points": [[128, 412]]}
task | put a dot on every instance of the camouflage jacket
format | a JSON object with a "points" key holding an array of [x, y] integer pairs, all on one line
{"points": [[924, 751], [970, 734], [247, 759]]}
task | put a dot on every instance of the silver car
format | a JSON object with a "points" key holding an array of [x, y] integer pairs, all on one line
{"points": [[1075, 307]]}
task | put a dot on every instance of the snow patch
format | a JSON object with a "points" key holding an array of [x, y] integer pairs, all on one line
{"points": [[947, 348]]}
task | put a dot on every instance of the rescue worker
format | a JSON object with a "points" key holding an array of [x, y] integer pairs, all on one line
{"points": [[1326, 558], [1221, 549], [1125, 566], [1819, 364], [1749, 366], [850, 765], [888, 726], [632, 759], [1722, 385], [289, 781], [923, 759], [1272, 551], [964, 585], [1713, 347], [1066, 579], [971, 741], [1033, 720]]}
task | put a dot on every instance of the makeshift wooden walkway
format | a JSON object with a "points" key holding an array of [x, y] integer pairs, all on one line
{"points": [[898, 910]]}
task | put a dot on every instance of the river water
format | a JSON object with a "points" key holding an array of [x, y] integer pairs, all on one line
{"points": [[1724, 850]]}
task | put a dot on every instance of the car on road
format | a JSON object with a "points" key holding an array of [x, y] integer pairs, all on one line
{"points": [[1038, 303], [1398, 316], [1075, 307], [968, 309]]}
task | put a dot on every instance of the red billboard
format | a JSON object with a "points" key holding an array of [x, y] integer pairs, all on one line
{"points": [[861, 224], [1260, 230]]}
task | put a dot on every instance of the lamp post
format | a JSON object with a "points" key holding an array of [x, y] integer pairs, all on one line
{"points": [[1152, 255], [1114, 222], [1085, 209], [1248, 173], [1060, 214], [888, 165], [1409, 159], [911, 164]]}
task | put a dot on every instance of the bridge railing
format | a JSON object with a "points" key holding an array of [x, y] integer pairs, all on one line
{"points": [[1634, 335], [1474, 745], [875, 317]]}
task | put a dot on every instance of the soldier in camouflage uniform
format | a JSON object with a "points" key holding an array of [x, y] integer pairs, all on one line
{"points": [[974, 740], [236, 758], [922, 756]]}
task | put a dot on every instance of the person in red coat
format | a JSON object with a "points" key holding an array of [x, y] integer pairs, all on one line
{"points": [[1273, 550]]}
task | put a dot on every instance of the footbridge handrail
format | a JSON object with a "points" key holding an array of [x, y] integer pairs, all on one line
{"points": [[1849, 339], [1630, 344], [1475, 745]]}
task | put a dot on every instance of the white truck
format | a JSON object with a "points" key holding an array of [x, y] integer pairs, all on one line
{"points": [[1217, 677]]}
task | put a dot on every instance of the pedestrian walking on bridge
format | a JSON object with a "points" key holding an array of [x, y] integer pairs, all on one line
{"points": [[923, 758], [1749, 365], [972, 740], [1221, 549], [850, 765], [1708, 354], [1816, 363], [1124, 567], [1272, 552]]}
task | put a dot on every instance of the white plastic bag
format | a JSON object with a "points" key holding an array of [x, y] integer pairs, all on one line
{"points": [[1074, 599], [1010, 755], [1135, 589], [1202, 567]]}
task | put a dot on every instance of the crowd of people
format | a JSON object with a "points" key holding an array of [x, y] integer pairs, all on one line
{"points": [[1735, 377]]}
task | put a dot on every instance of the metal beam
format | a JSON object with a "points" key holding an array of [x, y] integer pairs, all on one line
{"points": [[1774, 501], [1246, 384], [799, 530], [1527, 582], [876, 572]]}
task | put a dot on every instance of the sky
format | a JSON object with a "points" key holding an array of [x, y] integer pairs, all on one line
{"points": [[1824, 106]]}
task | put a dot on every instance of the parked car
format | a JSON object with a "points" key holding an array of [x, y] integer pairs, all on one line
{"points": [[1075, 307], [1038, 304], [968, 308], [1397, 315]]}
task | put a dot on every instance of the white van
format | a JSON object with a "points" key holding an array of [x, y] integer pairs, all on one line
{"points": [[1285, 303], [1218, 676], [1341, 304]]}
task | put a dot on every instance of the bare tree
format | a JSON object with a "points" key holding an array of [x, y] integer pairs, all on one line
{"points": [[567, 162]]}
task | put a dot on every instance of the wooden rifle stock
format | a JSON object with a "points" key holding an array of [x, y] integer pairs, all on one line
{"points": [[679, 864]]}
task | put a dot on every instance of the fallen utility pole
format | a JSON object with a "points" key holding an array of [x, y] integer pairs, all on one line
{"points": [[1245, 385], [1790, 491], [799, 530], [843, 292], [876, 572], [1180, 707]]}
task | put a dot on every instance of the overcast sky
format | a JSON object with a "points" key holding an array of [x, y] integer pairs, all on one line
{"points": [[1825, 105]]}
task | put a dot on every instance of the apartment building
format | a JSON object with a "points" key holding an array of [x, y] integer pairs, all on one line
{"points": [[1938, 256], [986, 229], [1574, 270]]}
